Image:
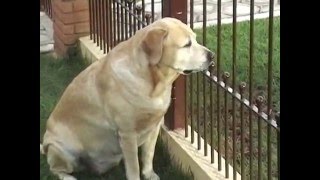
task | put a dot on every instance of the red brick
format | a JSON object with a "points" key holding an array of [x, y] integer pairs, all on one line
{"points": [[80, 5], [81, 16], [59, 47], [65, 28], [65, 38], [71, 18], [63, 6], [82, 27]]}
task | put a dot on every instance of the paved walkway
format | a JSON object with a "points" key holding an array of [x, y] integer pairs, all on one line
{"points": [[243, 14], [243, 10]]}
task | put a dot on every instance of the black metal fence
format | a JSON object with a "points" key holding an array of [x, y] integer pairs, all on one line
{"points": [[46, 5], [223, 109]]}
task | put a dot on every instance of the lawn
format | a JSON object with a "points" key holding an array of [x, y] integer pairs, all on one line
{"points": [[199, 105], [54, 77], [260, 58]]}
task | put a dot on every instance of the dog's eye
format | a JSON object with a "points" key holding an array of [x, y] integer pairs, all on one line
{"points": [[188, 44]]}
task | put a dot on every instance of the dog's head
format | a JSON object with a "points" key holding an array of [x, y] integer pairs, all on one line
{"points": [[169, 42]]}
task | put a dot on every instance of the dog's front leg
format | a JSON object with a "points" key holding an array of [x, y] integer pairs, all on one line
{"points": [[129, 146], [148, 149]]}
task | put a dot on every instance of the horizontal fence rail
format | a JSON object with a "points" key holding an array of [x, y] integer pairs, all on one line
{"points": [[234, 106]]}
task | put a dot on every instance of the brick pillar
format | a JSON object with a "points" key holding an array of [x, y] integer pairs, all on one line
{"points": [[176, 115], [70, 21]]}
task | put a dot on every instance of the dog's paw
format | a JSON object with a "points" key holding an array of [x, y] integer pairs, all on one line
{"points": [[151, 176]]}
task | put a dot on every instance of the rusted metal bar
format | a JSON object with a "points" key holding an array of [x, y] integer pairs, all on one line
{"points": [[234, 73], [97, 22], [192, 80], [94, 10], [270, 80], [226, 77], [100, 11], [130, 17], [104, 30], [134, 19], [259, 102], [198, 111], [118, 22], [114, 35], [278, 143], [251, 56], [242, 87], [122, 20], [218, 88], [108, 25], [152, 10], [204, 42], [91, 18]]}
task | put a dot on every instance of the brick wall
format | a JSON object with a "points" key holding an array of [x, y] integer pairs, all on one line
{"points": [[70, 21]]}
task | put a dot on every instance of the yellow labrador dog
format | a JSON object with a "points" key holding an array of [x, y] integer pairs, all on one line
{"points": [[118, 104]]}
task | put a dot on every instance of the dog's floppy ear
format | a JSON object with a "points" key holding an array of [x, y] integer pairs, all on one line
{"points": [[152, 44]]}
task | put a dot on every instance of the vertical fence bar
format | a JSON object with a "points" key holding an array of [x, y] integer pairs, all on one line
{"points": [[278, 144], [94, 27], [114, 23], [107, 25], [204, 42], [104, 25], [192, 79], [251, 56], [225, 77], [218, 89], [152, 10], [241, 89], [90, 17], [110, 24], [97, 22], [134, 19], [122, 21], [100, 22], [270, 58], [234, 70], [143, 9], [211, 117], [118, 22], [204, 83], [130, 17], [187, 109], [126, 20], [259, 102], [198, 111]]}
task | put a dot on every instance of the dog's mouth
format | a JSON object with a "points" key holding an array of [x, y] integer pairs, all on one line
{"points": [[186, 72]]}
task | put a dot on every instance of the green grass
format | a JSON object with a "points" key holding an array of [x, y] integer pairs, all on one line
{"points": [[260, 58], [55, 75], [260, 74]]}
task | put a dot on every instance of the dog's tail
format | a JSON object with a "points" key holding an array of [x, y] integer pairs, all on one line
{"points": [[41, 149]]}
